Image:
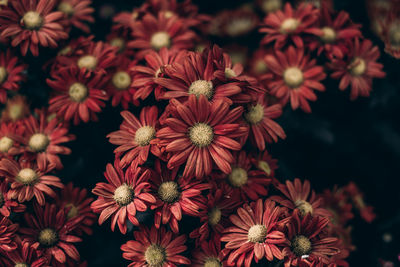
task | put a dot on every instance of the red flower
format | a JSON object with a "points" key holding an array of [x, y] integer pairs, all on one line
{"points": [[122, 196], [77, 12], [337, 202], [298, 197], [244, 181], [296, 77], [76, 203], [16, 109], [30, 23], [236, 23], [155, 32], [7, 235], [208, 253], [145, 76], [11, 74], [254, 235], [358, 68], [262, 128], [391, 31], [288, 24], [29, 180], [79, 95], [135, 138], [366, 211], [175, 196], [264, 161], [10, 133], [155, 247], [49, 233], [7, 205], [43, 139], [200, 133], [24, 254], [307, 244]]}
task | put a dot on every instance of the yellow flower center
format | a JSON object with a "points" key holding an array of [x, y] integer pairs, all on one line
{"points": [[271, 5], [78, 92], [304, 207], [293, 77], [168, 14], [160, 40], [27, 176], [21, 264], [15, 111], [39, 142], [261, 67], [89, 62], [394, 35], [73, 211], [123, 195], [229, 73], [121, 80], [264, 166], [359, 66], [5, 144], [238, 177], [301, 245], [257, 233], [255, 114], [118, 42], [66, 8], [289, 25], [214, 216], [155, 255], [212, 262], [32, 20], [144, 135], [201, 134], [329, 35], [168, 192], [48, 237], [3, 74], [201, 87]]}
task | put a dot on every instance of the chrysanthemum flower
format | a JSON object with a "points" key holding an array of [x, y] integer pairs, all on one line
{"points": [[10, 133], [30, 23], [175, 196], [264, 161], [289, 24], [16, 109], [123, 195], [7, 205], [136, 137], [391, 33], [77, 203], [262, 128], [11, 74], [358, 68], [145, 75], [214, 218], [239, 22], [29, 180], [155, 247], [49, 233], [119, 38], [366, 211], [297, 76], [254, 235], [297, 196], [43, 139], [155, 32], [307, 244], [77, 13], [201, 134], [23, 256], [7, 235], [338, 203], [79, 95], [208, 254]]}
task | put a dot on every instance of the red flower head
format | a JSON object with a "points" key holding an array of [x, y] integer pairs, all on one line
{"points": [[391, 31], [158, 31], [43, 139], [135, 138], [338, 203], [11, 74], [7, 235], [296, 77], [155, 247], [358, 68], [236, 23], [30, 23], [175, 196], [366, 211], [254, 235], [16, 109], [208, 253], [297, 196], [244, 180], [50, 233], [119, 37], [145, 76], [122, 196], [264, 161], [7, 205], [76, 203], [10, 133], [288, 24], [29, 180], [80, 95], [200, 133], [77, 13], [307, 244], [24, 255]]}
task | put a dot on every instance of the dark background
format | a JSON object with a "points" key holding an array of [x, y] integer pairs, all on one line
{"points": [[340, 141]]}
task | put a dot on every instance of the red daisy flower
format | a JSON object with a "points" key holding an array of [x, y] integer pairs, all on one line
{"points": [[30, 23], [214, 218], [80, 94], [77, 203], [200, 133], [155, 32], [366, 211], [337, 29], [43, 139], [209, 254], [145, 76], [337, 202], [236, 23], [358, 68], [16, 109], [262, 128], [155, 247], [175, 196], [29, 180], [254, 235], [307, 245], [77, 13], [135, 138], [11, 74], [7, 235], [244, 181], [391, 32], [119, 37], [10, 133], [122, 196], [297, 196], [288, 24], [50, 233], [7, 205], [264, 161], [296, 77], [24, 255]]}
